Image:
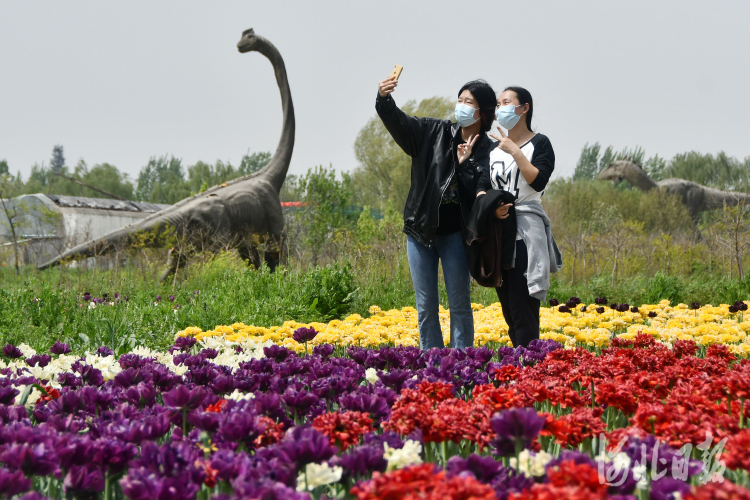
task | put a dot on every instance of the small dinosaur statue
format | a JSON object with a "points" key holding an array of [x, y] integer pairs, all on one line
{"points": [[239, 210], [696, 197]]}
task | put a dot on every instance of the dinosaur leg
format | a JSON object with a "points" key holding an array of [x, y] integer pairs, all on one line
{"points": [[171, 266], [175, 262], [250, 254], [273, 251]]}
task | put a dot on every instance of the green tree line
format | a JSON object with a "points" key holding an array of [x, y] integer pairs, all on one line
{"points": [[164, 179], [605, 229]]}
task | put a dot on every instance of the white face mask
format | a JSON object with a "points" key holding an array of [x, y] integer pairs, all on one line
{"points": [[465, 115], [507, 117]]}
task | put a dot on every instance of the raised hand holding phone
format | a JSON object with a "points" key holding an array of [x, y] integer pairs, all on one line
{"points": [[389, 84]]}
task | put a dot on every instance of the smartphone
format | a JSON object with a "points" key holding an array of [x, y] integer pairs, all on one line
{"points": [[396, 71]]}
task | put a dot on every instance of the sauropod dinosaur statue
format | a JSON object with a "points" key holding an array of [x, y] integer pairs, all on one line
{"points": [[696, 197], [239, 210]]}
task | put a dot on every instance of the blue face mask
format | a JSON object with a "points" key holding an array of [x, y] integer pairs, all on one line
{"points": [[507, 117], [465, 115]]}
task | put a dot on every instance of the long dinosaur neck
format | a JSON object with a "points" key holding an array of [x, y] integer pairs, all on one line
{"points": [[277, 167]]}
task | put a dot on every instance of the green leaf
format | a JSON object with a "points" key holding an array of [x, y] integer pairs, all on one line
{"points": [[25, 394]]}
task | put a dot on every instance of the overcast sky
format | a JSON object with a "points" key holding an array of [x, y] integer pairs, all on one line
{"points": [[121, 82]]}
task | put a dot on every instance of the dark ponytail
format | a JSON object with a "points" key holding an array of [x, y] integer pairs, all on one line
{"points": [[485, 97], [524, 97]]}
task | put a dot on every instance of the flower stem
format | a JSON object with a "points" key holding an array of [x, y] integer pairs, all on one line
{"points": [[107, 487]]}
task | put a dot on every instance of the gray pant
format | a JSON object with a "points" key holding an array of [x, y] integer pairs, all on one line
{"points": [[423, 263]]}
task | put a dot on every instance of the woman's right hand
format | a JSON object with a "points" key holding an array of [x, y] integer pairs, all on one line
{"points": [[387, 86], [501, 212]]}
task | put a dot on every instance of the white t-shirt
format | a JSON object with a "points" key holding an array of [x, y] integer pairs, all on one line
{"points": [[504, 173]]}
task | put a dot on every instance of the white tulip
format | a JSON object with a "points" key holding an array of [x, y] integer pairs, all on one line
{"points": [[318, 475]]}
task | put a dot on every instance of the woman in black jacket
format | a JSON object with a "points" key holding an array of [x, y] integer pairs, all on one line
{"points": [[447, 160]]}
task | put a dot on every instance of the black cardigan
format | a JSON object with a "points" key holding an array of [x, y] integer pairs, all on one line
{"points": [[490, 242]]}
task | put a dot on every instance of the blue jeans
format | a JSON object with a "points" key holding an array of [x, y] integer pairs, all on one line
{"points": [[423, 263]]}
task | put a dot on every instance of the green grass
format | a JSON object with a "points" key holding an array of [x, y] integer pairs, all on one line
{"points": [[45, 307]]}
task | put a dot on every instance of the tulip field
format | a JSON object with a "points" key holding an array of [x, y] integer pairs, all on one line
{"points": [[614, 401]]}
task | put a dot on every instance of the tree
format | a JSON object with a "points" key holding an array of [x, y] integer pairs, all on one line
{"points": [[58, 159], [325, 201], [384, 170], [4, 170], [607, 157], [15, 218], [107, 177], [254, 162], [733, 233], [587, 166], [162, 180]]}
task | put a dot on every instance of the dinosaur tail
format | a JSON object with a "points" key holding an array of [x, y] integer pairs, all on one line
{"points": [[151, 228]]}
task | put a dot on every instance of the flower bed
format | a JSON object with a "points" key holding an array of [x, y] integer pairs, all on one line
{"points": [[572, 324], [223, 420]]}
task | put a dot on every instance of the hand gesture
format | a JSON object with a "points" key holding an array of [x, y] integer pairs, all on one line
{"points": [[501, 212], [387, 86], [506, 144], [464, 150]]}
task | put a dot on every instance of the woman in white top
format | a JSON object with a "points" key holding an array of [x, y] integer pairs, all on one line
{"points": [[522, 163]]}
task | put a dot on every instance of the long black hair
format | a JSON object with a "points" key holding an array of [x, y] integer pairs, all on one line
{"points": [[485, 96], [524, 97]]}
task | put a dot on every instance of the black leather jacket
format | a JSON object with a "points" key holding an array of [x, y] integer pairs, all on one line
{"points": [[432, 143]]}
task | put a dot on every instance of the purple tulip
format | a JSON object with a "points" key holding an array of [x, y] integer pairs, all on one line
{"points": [[12, 483], [395, 378], [11, 351], [301, 401], [600, 301], [390, 437], [666, 487], [33, 460], [86, 479], [182, 398], [376, 406], [239, 427], [114, 455], [554, 302], [33, 495], [515, 429], [185, 343], [221, 384], [600, 310], [305, 445], [8, 395], [141, 484], [361, 461], [276, 352], [104, 351], [59, 348], [484, 469], [509, 481], [323, 350], [303, 334]]}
